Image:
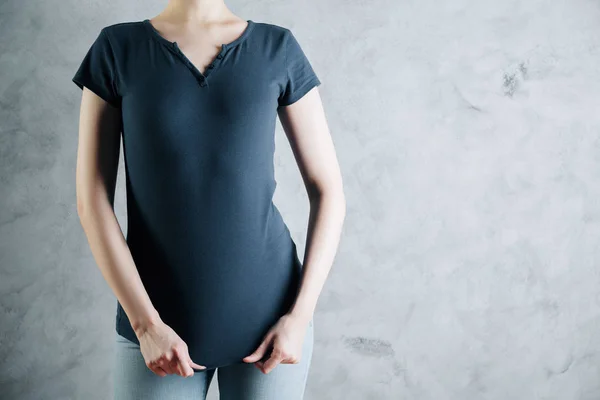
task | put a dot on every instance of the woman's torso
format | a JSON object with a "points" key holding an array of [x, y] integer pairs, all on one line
{"points": [[212, 249]]}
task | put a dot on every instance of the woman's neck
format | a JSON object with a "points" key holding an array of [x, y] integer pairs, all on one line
{"points": [[202, 11]]}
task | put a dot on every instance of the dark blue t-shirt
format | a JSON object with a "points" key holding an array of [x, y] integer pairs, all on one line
{"points": [[212, 249]]}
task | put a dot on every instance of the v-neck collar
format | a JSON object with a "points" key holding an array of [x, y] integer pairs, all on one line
{"points": [[174, 47]]}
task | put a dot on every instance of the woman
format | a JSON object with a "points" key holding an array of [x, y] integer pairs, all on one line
{"points": [[207, 277]]}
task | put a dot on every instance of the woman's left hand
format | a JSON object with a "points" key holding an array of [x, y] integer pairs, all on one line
{"points": [[286, 339]]}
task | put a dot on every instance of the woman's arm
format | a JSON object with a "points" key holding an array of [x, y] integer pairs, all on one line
{"points": [[96, 176], [306, 128]]}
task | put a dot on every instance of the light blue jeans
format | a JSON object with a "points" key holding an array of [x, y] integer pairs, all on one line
{"points": [[133, 380]]}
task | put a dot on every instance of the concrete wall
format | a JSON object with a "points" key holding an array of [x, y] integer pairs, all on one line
{"points": [[468, 135]]}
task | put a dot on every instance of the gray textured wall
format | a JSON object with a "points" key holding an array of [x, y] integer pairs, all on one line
{"points": [[468, 135]]}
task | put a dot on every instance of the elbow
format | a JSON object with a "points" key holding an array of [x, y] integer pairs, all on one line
{"points": [[82, 209], [93, 201], [86, 207], [333, 194], [92, 205]]}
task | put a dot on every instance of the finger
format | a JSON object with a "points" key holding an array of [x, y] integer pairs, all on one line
{"points": [[260, 351], [161, 372], [166, 366], [182, 366], [257, 354], [155, 368], [194, 365], [174, 365], [177, 363], [185, 355], [178, 368], [290, 360], [260, 365], [272, 362], [172, 362], [186, 370]]}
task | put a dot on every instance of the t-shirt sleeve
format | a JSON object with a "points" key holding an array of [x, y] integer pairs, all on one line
{"points": [[300, 75], [97, 71]]}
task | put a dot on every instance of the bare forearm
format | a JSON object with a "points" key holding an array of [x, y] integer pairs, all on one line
{"points": [[113, 257], [327, 214]]}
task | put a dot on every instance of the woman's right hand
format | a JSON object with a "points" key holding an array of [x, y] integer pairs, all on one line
{"points": [[165, 352]]}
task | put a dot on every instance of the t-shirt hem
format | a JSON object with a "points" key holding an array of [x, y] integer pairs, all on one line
{"points": [[301, 91], [96, 89], [130, 335]]}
